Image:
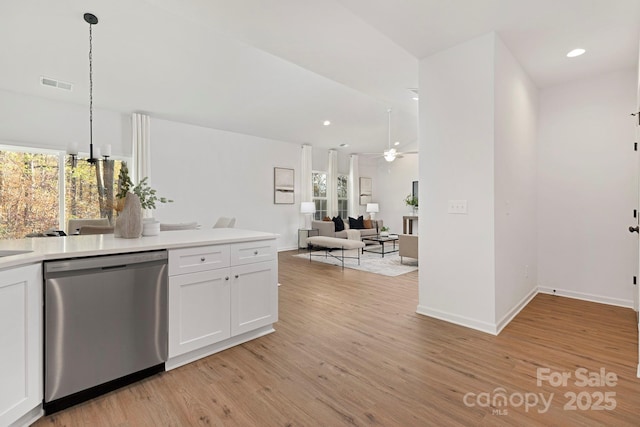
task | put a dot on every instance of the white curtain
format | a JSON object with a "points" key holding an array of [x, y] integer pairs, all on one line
{"points": [[141, 140], [306, 169], [332, 184], [354, 186]]}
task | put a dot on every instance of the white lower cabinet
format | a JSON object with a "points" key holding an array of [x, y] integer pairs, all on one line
{"points": [[199, 311], [21, 337], [253, 302], [222, 303]]}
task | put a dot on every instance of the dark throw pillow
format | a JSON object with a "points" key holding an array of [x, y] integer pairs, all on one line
{"points": [[356, 224], [338, 222]]}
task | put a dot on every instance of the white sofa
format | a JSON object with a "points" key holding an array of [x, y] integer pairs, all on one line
{"points": [[328, 228]]}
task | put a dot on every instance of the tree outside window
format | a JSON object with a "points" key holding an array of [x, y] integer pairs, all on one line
{"points": [[31, 184], [319, 182], [343, 198]]}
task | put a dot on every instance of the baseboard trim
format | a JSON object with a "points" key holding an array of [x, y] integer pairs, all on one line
{"points": [[458, 320], [194, 355], [29, 418], [495, 329], [507, 318], [638, 374], [587, 297]]}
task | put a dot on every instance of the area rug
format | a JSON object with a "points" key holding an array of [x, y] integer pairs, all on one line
{"points": [[371, 262]]}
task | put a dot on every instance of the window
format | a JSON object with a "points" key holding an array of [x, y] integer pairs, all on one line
{"points": [[319, 181], [29, 191], [31, 182], [343, 196]]}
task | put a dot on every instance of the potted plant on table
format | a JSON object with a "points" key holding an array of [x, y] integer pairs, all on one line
{"points": [[130, 202], [412, 202], [384, 231]]}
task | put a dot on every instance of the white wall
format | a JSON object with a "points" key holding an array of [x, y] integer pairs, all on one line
{"points": [[456, 279], [587, 180], [516, 112], [212, 173], [38, 122], [393, 184]]}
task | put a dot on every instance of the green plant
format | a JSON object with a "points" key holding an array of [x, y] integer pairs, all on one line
{"points": [[411, 200], [147, 195], [384, 228]]}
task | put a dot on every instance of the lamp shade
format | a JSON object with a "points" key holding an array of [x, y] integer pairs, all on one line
{"points": [[307, 207], [372, 208]]}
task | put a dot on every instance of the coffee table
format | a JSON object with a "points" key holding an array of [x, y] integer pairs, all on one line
{"points": [[393, 238]]}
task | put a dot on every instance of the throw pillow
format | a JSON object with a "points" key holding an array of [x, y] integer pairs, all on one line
{"points": [[326, 218], [367, 223], [338, 222], [356, 224]]}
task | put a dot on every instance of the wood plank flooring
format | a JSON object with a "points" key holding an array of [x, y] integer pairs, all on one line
{"points": [[349, 349]]}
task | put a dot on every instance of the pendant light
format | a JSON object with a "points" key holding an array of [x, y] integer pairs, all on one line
{"points": [[92, 20], [390, 153]]}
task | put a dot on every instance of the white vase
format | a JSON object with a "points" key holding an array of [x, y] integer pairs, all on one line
{"points": [[129, 221], [150, 227]]}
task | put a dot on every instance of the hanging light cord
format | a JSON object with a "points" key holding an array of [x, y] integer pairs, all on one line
{"points": [[91, 159], [389, 129]]}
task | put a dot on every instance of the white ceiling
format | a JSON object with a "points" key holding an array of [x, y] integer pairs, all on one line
{"points": [[278, 68]]}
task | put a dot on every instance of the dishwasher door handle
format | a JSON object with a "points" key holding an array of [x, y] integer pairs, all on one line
{"points": [[114, 267]]}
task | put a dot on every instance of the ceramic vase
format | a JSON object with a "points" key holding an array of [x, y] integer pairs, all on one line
{"points": [[129, 221]]}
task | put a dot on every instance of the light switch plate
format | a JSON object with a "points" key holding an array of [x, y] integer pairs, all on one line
{"points": [[457, 207]]}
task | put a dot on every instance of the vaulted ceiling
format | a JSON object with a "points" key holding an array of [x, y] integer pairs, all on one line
{"points": [[279, 68]]}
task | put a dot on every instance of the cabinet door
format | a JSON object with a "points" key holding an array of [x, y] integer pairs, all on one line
{"points": [[254, 296], [198, 310], [21, 337]]}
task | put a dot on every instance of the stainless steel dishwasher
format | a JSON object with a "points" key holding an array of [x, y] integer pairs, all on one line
{"points": [[105, 324]]}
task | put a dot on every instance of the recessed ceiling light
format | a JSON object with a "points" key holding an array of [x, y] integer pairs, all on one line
{"points": [[415, 98], [326, 123], [396, 143], [575, 52]]}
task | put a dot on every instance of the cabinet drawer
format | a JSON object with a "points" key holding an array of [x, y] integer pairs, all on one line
{"points": [[250, 252], [202, 258]]}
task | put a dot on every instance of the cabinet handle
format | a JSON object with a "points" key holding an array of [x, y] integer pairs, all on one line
{"points": [[226, 278], [203, 259], [255, 252], [237, 276]]}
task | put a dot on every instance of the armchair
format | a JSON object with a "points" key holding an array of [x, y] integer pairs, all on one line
{"points": [[408, 246]]}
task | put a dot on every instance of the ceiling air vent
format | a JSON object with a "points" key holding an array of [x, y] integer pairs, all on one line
{"points": [[46, 81]]}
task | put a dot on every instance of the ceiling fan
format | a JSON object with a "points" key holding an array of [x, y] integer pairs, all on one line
{"points": [[390, 154]]}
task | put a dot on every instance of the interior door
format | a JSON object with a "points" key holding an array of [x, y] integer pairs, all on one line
{"points": [[637, 290]]}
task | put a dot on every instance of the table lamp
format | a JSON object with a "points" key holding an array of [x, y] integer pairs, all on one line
{"points": [[372, 209], [308, 209]]}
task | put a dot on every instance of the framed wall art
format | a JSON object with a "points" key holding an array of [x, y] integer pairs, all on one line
{"points": [[283, 181], [365, 191]]}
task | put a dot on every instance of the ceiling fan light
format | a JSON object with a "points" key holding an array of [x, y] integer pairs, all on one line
{"points": [[390, 155]]}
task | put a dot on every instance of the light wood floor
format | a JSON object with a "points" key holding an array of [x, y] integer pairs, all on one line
{"points": [[350, 350]]}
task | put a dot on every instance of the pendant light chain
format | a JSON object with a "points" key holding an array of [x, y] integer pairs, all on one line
{"points": [[91, 90], [91, 19]]}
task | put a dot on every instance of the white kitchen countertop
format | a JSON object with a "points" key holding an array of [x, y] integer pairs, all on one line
{"points": [[48, 248]]}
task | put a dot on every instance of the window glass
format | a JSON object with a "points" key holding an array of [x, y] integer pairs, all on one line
{"points": [[343, 200], [31, 182], [29, 193], [319, 181], [90, 189]]}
